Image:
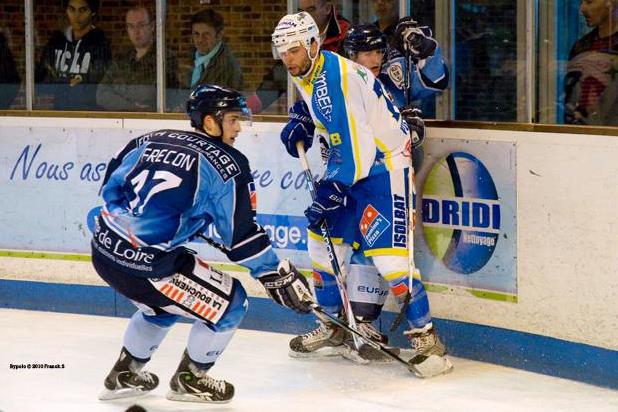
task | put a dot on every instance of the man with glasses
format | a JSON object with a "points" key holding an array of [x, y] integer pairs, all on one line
{"points": [[130, 82]]}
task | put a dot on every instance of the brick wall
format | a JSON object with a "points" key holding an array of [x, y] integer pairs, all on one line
{"points": [[249, 24], [12, 26]]}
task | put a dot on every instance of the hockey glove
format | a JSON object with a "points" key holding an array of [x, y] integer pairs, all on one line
{"points": [[414, 39], [300, 127], [288, 287], [413, 118], [329, 198]]}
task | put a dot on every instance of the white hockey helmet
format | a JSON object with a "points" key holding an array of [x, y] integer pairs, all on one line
{"points": [[293, 30]]}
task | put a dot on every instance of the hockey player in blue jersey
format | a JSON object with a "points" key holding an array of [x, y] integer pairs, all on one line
{"points": [[415, 54], [162, 190], [363, 194]]}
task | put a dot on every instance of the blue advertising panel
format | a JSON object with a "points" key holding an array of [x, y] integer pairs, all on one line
{"points": [[467, 233]]}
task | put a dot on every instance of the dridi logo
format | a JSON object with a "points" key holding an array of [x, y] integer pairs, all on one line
{"points": [[461, 213]]}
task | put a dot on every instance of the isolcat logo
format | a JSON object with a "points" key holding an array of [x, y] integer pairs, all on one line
{"points": [[461, 213]]}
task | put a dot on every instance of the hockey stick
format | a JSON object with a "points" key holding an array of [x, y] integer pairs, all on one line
{"points": [[321, 313], [330, 249], [411, 207], [214, 244]]}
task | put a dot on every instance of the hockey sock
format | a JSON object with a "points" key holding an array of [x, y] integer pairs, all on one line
{"points": [[142, 337], [417, 313], [327, 292], [367, 290], [205, 345]]}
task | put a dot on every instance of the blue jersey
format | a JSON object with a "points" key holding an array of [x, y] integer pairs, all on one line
{"points": [[427, 77], [350, 108], [163, 189]]}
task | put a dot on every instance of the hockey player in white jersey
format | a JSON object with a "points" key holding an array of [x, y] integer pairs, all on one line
{"points": [[363, 194], [162, 190]]}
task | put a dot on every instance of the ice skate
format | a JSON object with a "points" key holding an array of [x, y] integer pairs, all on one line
{"points": [[127, 379], [191, 384], [429, 358], [366, 352], [325, 340]]}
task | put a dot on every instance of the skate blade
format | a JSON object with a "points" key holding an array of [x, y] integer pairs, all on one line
{"points": [[375, 355], [354, 356], [433, 366], [107, 395], [324, 352], [187, 397]]}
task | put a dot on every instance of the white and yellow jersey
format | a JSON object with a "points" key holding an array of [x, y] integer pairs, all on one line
{"points": [[367, 135]]}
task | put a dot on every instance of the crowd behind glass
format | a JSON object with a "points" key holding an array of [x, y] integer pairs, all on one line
{"points": [[92, 56]]}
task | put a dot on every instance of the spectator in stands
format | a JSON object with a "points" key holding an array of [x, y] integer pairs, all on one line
{"points": [[130, 81], [387, 12], [593, 62], [213, 61], [74, 61], [332, 26], [9, 78], [332, 31]]}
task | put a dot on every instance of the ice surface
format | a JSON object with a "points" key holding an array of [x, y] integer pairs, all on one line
{"points": [[266, 379]]}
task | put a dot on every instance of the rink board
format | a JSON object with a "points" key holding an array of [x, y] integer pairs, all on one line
{"points": [[526, 351], [544, 300]]}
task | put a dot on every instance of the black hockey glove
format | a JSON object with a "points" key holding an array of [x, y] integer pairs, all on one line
{"points": [[329, 198], [288, 287], [416, 40], [300, 127], [413, 118]]}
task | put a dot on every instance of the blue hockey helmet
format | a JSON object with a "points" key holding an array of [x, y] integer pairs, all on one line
{"points": [[363, 37], [214, 100]]}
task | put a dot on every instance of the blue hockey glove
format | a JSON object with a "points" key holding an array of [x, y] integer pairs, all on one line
{"points": [[413, 118], [414, 39], [330, 197], [299, 128]]}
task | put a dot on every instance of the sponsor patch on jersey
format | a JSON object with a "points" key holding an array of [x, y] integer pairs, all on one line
{"points": [[219, 280], [400, 227], [253, 196], [362, 72], [321, 99], [222, 161], [395, 72], [194, 297], [372, 224]]}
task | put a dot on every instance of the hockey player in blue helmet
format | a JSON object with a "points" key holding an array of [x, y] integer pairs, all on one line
{"points": [[161, 191], [364, 187]]}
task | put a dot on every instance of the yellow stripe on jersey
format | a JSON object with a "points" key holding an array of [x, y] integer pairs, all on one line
{"points": [[315, 236], [387, 153], [395, 275], [386, 251], [358, 165], [321, 268]]}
